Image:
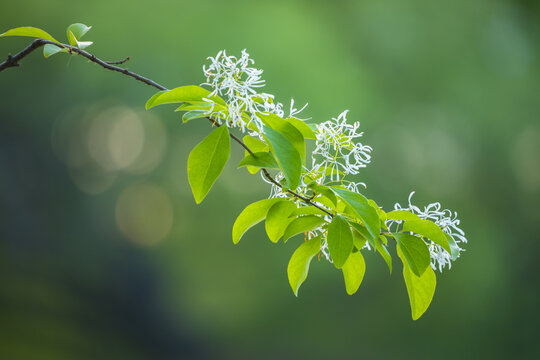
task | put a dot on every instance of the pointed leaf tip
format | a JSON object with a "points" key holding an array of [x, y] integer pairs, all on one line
{"points": [[30, 31], [206, 162], [251, 216], [353, 272], [298, 267]]}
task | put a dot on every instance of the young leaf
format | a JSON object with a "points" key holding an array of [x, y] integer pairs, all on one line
{"points": [[401, 215], [428, 229], [353, 272], [78, 30], [251, 216], [324, 190], [361, 229], [50, 50], [298, 267], [453, 246], [84, 44], [287, 156], [340, 240], [278, 219], [323, 200], [30, 31], [302, 224], [415, 252], [260, 160], [195, 114], [256, 145], [308, 210], [195, 105], [420, 288], [363, 210], [178, 95], [304, 129], [382, 214], [289, 131], [359, 241], [75, 32], [207, 160]]}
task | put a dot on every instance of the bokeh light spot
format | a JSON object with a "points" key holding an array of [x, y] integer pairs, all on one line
{"points": [[144, 213]]}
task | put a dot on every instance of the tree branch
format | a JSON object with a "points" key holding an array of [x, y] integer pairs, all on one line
{"points": [[13, 61]]}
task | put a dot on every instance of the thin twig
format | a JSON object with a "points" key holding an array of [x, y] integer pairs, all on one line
{"points": [[271, 179], [118, 62], [13, 61]]}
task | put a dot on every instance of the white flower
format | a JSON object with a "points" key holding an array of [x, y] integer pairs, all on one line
{"points": [[293, 111], [237, 82], [234, 79], [336, 145], [446, 220]]}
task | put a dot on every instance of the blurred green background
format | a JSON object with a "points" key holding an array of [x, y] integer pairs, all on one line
{"points": [[104, 254]]}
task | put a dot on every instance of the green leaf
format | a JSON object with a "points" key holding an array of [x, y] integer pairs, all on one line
{"points": [[401, 215], [289, 131], [74, 39], [308, 210], [78, 30], [420, 288], [50, 50], [254, 144], [301, 126], [207, 160], [428, 229], [287, 157], [251, 216], [380, 212], [415, 252], [323, 190], [195, 105], [278, 219], [180, 94], [453, 246], [323, 200], [363, 210], [195, 114], [84, 44], [30, 31], [384, 253], [361, 229], [340, 240], [302, 224], [353, 272], [260, 160], [298, 267], [358, 240]]}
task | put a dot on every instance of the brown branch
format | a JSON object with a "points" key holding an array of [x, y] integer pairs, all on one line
{"points": [[118, 62], [13, 61]]}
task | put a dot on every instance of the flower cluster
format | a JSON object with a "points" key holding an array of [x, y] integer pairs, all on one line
{"points": [[234, 79], [237, 81], [338, 149], [446, 220], [337, 152]]}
